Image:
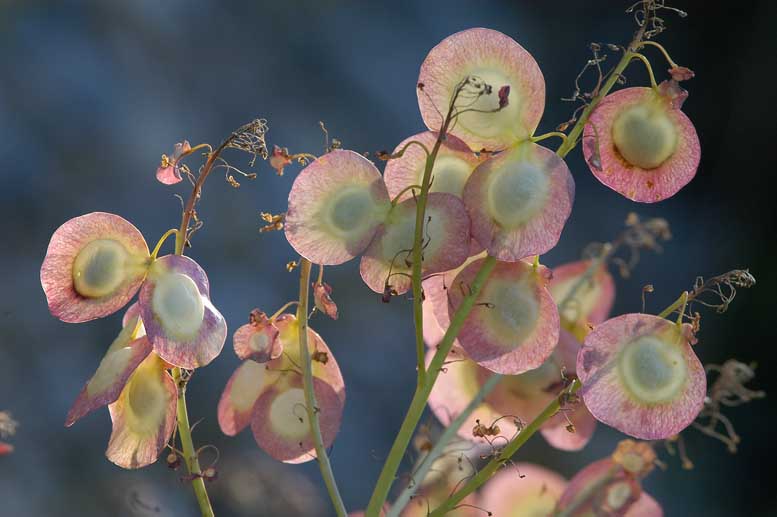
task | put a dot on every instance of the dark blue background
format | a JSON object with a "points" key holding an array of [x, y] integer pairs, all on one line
{"points": [[92, 93]]}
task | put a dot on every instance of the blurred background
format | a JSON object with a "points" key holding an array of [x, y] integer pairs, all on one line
{"points": [[92, 93]]}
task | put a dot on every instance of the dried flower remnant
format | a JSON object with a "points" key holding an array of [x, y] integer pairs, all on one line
{"points": [[169, 172], [641, 376], [94, 265], [183, 325], [336, 205], [272, 222], [388, 259], [259, 340], [519, 201], [515, 326], [279, 159], [269, 397], [728, 390], [322, 297], [639, 143], [486, 119]]}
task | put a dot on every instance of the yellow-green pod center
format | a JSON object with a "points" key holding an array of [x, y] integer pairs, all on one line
{"points": [[645, 135], [654, 371], [99, 268]]}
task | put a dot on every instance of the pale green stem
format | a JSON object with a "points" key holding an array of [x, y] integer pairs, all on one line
{"points": [[679, 302], [419, 474], [189, 454], [311, 406], [504, 456], [421, 396]]}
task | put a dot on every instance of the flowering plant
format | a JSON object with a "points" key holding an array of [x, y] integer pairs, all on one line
{"points": [[457, 223]]}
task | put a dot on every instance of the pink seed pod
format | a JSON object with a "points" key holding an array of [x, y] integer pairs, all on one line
{"points": [[519, 201], [184, 327], [522, 490], [270, 398], [452, 167], [639, 143], [388, 259], [497, 60], [336, 205], [641, 376], [121, 360], [94, 265], [604, 487], [143, 416], [591, 301], [515, 325]]}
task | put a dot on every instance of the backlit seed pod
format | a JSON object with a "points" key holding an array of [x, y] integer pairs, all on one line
{"points": [[270, 397], [514, 325], [94, 265], [497, 60], [120, 361], [258, 340], [603, 488], [519, 201], [640, 145], [335, 207], [524, 490], [184, 327], [641, 376], [435, 304], [143, 416], [591, 301], [388, 259], [452, 167]]}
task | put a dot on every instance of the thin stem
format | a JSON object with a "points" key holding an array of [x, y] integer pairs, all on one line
{"points": [[649, 69], [409, 187], [558, 134], [679, 302], [282, 309], [189, 454], [421, 396], [574, 134], [188, 211], [661, 48], [507, 452], [418, 237], [161, 241], [311, 406], [450, 432]]}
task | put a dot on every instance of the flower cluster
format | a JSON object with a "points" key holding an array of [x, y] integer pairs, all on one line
{"points": [[266, 390], [95, 264]]}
